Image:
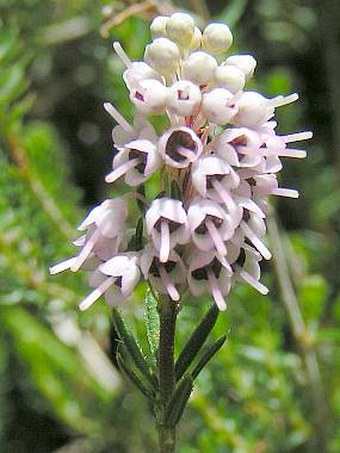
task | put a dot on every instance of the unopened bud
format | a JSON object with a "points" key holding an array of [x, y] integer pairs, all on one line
{"points": [[163, 55], [230, 77], [196, 39], [217, 38], [246, 63], [180, 28], [199, 68], [157, 27]]}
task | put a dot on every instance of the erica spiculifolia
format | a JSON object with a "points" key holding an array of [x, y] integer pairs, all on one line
{"points": [[217, 159]]}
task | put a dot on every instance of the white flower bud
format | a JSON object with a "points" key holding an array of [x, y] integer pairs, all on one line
{"points": [[246, 63], [137, 71], [230, 77], [163, 55], [150, 97], [218, 106], [199, 68], [157, 27], [183, 98], [180, 28], [196, 39], [253, 110], [217, 38]]}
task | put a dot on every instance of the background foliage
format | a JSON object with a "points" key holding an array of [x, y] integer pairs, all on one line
{"points": [[275, 386]]}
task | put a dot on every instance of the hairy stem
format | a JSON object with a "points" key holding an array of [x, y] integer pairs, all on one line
{"points": [[167, 433]]}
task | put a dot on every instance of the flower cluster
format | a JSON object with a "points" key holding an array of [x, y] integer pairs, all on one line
{"points": [[218, 160]]}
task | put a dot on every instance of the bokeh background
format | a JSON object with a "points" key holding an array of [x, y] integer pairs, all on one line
{"points": [[275, 386]]}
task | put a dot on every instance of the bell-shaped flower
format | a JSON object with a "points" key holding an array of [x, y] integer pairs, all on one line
{"points": [[180, 147], [247, 269], [184, 98], [149, 96], [117, 278], [166, 278], [246, 143], [219, 106], [167, 224], [210, 225], [137, 160], [138, 71], [212, 177], [255, 110], [104, 226], [207, 274]]}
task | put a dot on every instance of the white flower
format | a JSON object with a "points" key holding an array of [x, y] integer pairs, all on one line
{"points": [[180, 28], [230, 77], [138, 71], [164, 277], [183, 98], [180, 147], [138, 160], [149, 96], [167, 224], [219, 106], [207, 274], [210, 225], [247, 269], [116, 279]]}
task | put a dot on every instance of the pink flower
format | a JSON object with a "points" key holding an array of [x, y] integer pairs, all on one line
{"points": [[180, 147], [116, 279], [207, 274], [167, 224], [137, 160], [165, 277], [210, 225]]}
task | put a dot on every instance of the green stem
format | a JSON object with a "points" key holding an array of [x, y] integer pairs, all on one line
{"points": [[166, 433]]}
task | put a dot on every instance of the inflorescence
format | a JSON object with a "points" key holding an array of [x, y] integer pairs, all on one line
{"points": [[217, 158]]}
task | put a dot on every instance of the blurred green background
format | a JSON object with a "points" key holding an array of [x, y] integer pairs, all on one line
{"points": [[275, 386]]}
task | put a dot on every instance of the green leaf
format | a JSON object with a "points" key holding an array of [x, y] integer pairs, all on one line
{"points": [[12, 83], [196, 341], [134, 378], [208, 355], [152, 324], [132, 347], [57, 370], [179, 401], [313, 292], [8, 44]]}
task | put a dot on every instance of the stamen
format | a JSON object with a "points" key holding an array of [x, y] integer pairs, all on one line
{"points": [[224, 194], [220, 247], [86, 250], [216, 292], [253, 282], [164, 251], [168, 285], [282, 192], [63, 266], [120, 171], [280, 101], [299, 136], [117, 47], [187, 153], [255, 240], [251, 206], [111, 110], [286, 152], [94, 296]]}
